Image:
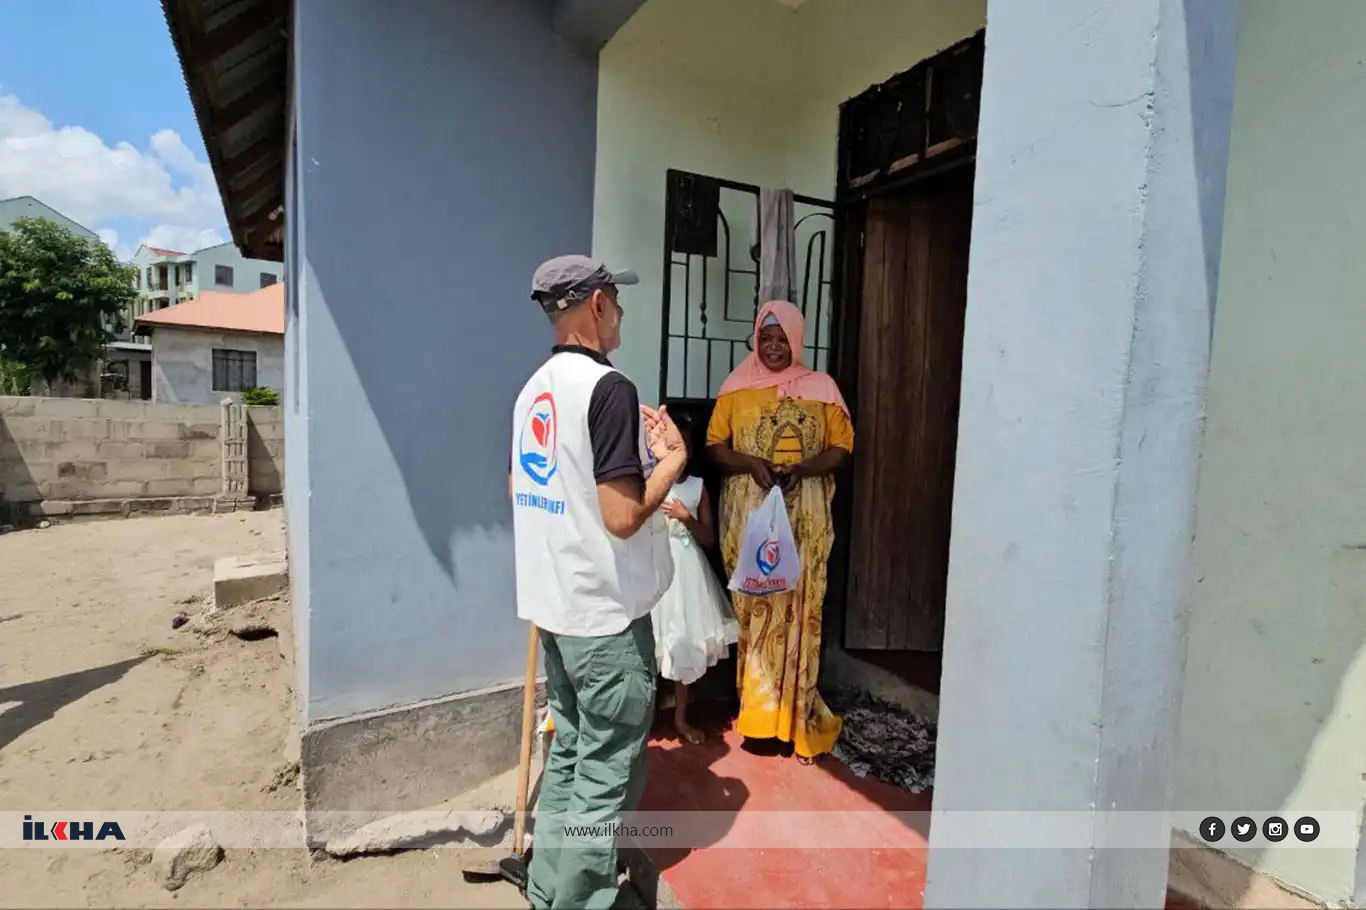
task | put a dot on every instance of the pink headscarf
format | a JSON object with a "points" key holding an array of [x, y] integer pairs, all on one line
{"points": [[798, 380]]}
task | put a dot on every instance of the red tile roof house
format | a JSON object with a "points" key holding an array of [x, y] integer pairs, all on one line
{"points": [[166, 277], [1018, 231], [213, 347]]}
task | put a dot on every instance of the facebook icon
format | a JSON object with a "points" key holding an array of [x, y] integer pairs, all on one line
{"points": [[1212, 829]]}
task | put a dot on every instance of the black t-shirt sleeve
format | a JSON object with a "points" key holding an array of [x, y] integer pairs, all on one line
{"points": [[614, 429]]}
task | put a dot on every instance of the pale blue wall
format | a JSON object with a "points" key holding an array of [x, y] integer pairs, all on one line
{"points": [[454, 143], [296, 423], [11, 210], [246, 273]]}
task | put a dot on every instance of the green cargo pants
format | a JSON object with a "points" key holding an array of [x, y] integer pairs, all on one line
{"points": [[601, 693]]}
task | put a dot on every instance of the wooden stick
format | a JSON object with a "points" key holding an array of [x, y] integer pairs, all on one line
{"points": [[528, 730]]}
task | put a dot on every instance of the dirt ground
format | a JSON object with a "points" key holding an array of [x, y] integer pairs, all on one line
{"points": [[104, 706]]}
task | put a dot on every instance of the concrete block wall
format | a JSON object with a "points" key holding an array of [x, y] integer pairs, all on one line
{"points": [[265, 450], [58, 451]]}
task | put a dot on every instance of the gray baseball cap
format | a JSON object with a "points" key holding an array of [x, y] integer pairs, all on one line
{"points": [[566, 280]]}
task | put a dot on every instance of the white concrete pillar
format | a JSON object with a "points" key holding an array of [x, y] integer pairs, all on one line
{"points": [[1095, 244]]}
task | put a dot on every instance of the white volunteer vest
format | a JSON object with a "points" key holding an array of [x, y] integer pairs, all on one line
{"points": [[574, 577]]}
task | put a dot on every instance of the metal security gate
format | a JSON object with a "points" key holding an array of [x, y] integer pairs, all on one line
{"points": [[711, 282]]}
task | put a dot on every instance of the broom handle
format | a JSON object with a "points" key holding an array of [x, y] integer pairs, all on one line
{"points": [[528, 725]]}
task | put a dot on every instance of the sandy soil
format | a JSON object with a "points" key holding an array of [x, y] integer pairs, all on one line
{"points": [[103, 706]]}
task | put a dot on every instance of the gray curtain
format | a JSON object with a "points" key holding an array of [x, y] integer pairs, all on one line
{"points": [[777, 247]]}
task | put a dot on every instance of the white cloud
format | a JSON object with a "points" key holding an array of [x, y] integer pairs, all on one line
{"points": [[111, 240], [169, 148], [76, 172], [181, 238]]}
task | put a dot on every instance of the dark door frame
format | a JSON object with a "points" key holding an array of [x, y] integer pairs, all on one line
{"points": [[851, 208]]}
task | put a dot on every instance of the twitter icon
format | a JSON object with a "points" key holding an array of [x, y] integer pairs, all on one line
{"points": [[1244, 829]]}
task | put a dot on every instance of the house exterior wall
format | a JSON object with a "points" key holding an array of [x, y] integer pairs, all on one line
{"points": [[1095, 235], [400, 393], [405, 388], [1275, 688], [246, 273], [182, 363], [699, 85], [747, 91], [144, 258], [11, 210], [149, 299], [295, 401]]}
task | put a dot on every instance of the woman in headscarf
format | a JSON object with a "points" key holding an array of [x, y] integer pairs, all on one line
{"points": [[778, 422]]}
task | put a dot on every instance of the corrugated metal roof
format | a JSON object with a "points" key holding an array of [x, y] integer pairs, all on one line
{"points": [[235, 58]]}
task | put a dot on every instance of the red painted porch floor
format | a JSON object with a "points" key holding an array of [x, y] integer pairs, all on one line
{"points": [[720, 776]]}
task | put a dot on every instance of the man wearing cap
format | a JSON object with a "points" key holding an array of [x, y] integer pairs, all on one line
{"points": [[590, 470]]}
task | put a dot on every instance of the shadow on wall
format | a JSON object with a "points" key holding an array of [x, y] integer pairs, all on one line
{"points": [[1267, 745], [1209, 40], [17, 484], [442, 388], [461, 200], [263, 467]]}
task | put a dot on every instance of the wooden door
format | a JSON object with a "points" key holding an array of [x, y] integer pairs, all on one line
{"points": [[145, 379], [910, 355]]}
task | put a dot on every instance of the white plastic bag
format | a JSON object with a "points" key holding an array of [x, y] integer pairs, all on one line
{"points": [[768, 562]]}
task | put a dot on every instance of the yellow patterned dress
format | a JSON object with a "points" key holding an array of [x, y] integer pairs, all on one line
{"points": [[778, 656]]}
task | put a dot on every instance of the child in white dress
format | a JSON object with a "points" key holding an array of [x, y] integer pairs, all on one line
{"points": [[694, 625]]}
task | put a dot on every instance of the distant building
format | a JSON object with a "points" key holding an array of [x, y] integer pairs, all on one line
{"points": [[167, 277], [216, 345], [11, 210]]}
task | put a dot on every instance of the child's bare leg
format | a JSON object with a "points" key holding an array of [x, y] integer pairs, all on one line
{"points": [[686, 731]]}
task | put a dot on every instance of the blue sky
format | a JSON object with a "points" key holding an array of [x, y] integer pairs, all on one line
{"points": [[95, 121]]}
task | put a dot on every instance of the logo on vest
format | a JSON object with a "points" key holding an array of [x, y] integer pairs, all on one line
{"points": [[538, 446], [768, 556], [538, 452]]}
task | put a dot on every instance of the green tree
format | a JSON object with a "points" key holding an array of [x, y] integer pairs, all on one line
{"points": [[14, 378], [260, 396], [62, 299]]}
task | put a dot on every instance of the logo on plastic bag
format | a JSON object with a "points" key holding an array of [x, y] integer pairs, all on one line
{"points": [[767, 557], [769, 562]]}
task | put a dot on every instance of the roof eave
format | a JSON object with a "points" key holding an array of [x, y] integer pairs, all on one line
{"points": [[248, 167], [147, 328]]}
